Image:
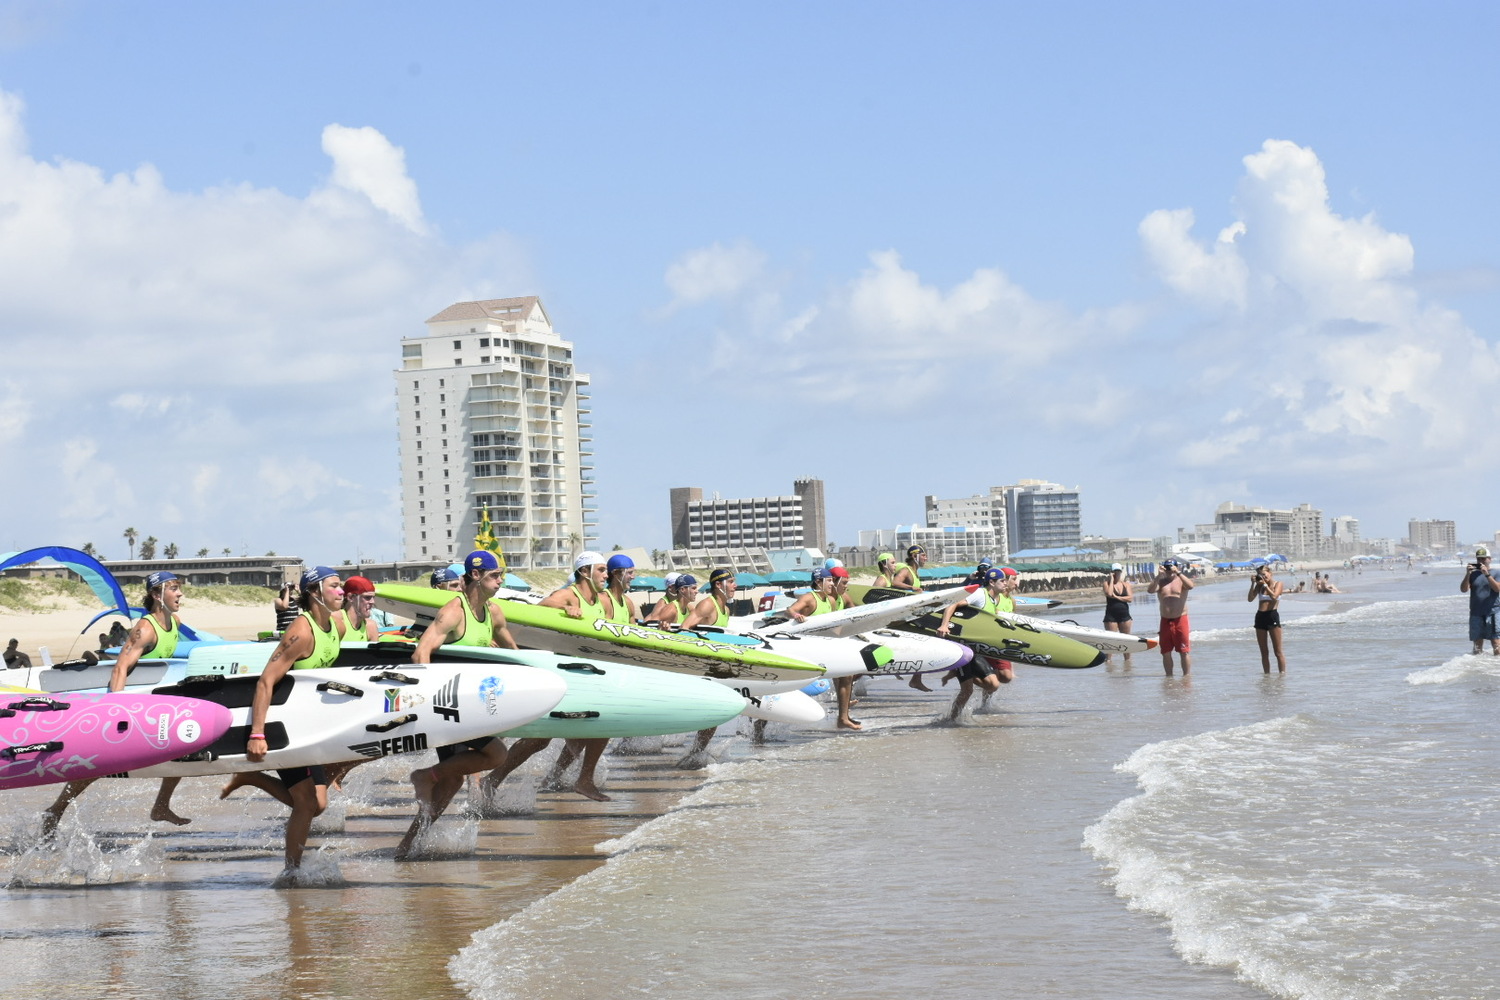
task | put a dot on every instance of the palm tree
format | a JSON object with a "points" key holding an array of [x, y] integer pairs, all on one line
{"points": [[148, 547], [130, 536], [202, 553], [171, 550], [228, 552], [88, 549]]}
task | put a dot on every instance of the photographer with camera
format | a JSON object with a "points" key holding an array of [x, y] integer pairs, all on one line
{"points": [[1268, 590], [1171, 586], [1482, 587]]}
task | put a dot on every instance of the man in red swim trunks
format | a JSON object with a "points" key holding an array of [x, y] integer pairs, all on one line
{"points": [[1171, 589]]}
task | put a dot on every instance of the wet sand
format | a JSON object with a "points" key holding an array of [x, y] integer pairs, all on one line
{"points": [[191, 911]]}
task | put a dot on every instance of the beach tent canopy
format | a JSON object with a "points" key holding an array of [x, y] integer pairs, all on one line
{"points": [[789, 578], [750, 580], [1276, 557], [648, 583], [93, 573]]}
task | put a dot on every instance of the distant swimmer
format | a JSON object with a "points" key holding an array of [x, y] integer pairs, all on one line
{"points": [[981, 672], [154, 637], [1482, 586], [1266, 589], [472, 618], [1171, 586], [677, 604], [1117, 597], [586, 598]]}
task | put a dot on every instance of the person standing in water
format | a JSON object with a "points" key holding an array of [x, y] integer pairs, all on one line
{"points": [[1267, 590], [1171, 586], [1483, 588], [153, 637], [1117, 597], [310, 642]]}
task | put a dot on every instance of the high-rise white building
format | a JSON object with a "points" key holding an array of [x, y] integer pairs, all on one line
{"points": [[1041, 515], [493, 413], [1436, 536], [982, 510]]}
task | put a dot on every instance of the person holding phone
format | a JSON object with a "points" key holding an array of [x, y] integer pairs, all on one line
{"points": [[1483, 588], [1171, 586], [1267, 590]]}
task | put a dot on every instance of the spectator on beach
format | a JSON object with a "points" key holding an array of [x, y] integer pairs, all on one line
{"points": [[286, 607], [1267, 590], [14, 658], [1117, 597], [1171, 588], [1483, 587], [976, 578]]}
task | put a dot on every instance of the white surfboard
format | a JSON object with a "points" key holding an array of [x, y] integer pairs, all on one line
{"points": [[917, 654], [1101, 639], [849, 621], [788, 706], [352, 713]]}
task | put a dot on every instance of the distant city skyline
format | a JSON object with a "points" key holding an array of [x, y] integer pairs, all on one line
{"points": [[1170, 255]]}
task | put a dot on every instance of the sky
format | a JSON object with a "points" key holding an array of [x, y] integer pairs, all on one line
{"points": [[1171, 253]]}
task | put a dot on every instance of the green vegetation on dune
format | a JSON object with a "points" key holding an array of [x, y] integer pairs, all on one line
{"points": [[53, 594]]}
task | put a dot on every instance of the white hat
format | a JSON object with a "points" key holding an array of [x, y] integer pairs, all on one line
{"points": [[587, 559], [1117, 566], [671, 579]]}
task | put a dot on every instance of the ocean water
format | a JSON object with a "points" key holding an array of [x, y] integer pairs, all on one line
{"points": [[1098, 833], [1328, 834]]}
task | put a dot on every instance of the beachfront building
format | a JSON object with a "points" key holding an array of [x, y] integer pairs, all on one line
{"points": [[956, 545], [1243, 532], [1041, 515], [982, 510], [493, 414], [1121, 550], [1343, 536], [1434, 536], [794, 521]]}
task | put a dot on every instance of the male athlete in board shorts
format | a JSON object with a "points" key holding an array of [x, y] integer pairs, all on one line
{"points": [[1171, 589]]}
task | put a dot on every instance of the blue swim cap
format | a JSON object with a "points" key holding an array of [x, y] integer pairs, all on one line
{"points": [[685, 580], [481, 559], [316, 575], [158, 578], [992, 574], [444, 574], [832, 563], [820, 574], [620, 562]]}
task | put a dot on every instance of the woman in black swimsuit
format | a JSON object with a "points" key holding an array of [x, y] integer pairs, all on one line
{"points": [[1117, 595], [1267, 617]]}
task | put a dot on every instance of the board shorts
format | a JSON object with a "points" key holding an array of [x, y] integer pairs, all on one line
{"points": [[443, 753], [1117, 611], [1267, 620], [976, 669], [1482, 627], [296, 775], [1174, 635]]}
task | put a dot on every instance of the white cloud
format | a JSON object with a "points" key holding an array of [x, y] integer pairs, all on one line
{"points": [[221, 329], [716, 271], [367, 163]]}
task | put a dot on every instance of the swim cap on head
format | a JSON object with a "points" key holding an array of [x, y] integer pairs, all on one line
{"points": [[686, 580], [839, 573], [620, 562], [831, 563], [444, 574], [993, 573], [482, 559], [158, 578], [671, 580], [587, 559], [358, 585], [1008, 571], [884, 557], [915, 550], [316, 575], [719, 576], [820, 574]]}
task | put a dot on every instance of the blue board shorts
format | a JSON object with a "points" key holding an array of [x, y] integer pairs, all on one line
{"points": [[1481, 627]]}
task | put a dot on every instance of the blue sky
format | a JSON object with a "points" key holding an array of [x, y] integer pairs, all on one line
{"points": [[1172, 253]]}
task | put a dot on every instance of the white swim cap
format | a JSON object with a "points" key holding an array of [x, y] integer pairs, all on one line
{"points": [[587, 559]]}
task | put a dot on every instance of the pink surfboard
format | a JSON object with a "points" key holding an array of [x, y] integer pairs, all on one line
{"points": [[46, 739]]}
